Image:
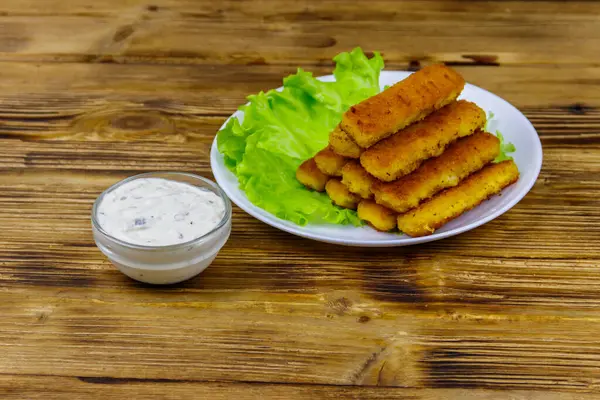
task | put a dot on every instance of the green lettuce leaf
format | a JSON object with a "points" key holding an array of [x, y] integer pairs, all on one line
{"points": [[505, 148], [281, 129]]}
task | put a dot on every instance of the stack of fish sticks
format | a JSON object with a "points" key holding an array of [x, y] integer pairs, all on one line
{"points": [[412, 157]]}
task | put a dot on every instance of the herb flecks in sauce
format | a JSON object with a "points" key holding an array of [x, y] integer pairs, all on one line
{"points": [[159, 212]]}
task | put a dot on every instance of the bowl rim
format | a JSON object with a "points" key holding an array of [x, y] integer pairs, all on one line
{"points": [[162, 175]]}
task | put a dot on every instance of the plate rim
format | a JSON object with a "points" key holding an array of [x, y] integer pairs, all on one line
{"points": [[403, 240]]}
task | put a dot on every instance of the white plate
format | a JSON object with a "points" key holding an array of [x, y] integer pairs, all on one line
{"points": [[515, 127]]}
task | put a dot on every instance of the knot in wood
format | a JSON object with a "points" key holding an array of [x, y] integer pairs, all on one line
{"points": [[137, 122], [125, 124]]}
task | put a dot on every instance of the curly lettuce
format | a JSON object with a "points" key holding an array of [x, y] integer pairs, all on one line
{"points": [[281, 129], [505, 148]]}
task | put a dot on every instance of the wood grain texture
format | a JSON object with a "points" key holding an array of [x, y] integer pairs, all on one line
{"points": [[286, 32], [41, 387], [93, 92], [290, 338]]}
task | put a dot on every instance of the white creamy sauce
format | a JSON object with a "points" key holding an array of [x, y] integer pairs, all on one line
{"points": [[159, 212]]}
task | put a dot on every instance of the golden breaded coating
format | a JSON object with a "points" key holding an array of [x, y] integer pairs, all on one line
{"points": [[379, 217], [408, 101], [310, 176], [342, 144], [340, 195], [460, 160], [357, 179], [453, 202], [403, 152], [329, 162]]}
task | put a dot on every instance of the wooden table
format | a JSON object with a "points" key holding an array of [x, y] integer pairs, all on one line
{"points": [[94, 91]]}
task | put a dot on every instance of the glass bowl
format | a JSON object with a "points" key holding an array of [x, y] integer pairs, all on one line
{"points": [[170, 263]]}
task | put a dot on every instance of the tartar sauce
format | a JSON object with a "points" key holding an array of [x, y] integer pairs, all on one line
{"points": [[159, 212]]}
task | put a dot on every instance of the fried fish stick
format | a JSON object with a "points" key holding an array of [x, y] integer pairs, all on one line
{"points": [[309, 175], [329, 162], [342, 144], [379, 217], [340, 195], [461, 159], [403, 152], [407, 101], [357, 179], [453, 202]]}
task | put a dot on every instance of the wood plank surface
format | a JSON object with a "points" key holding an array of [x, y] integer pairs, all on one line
{"points": [[93, 92], [300, 32], [36, 387], [95, 101], [330, 337]]}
